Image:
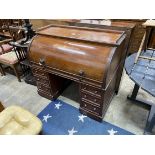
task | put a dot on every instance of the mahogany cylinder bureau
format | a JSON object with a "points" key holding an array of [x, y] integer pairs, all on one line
{"points": [[91, 57]]}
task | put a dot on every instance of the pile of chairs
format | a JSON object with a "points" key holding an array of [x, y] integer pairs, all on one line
{"points": [[8, 56]]}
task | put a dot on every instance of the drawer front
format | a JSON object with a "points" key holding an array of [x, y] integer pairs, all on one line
{"points": [[91, 108], [37, 70], [91, 98], [42, 80], [45, 94], [91, 90], [42, 74], [43, 87]]}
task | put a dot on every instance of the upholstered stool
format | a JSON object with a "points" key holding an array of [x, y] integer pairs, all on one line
{"points": [[10, 59], [15, 120]]}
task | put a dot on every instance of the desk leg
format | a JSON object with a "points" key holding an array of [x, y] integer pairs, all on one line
{"points": [[150, 121]]}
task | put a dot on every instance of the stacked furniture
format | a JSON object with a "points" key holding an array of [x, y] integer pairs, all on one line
{"points": [[20, 44], [15, 51], [8, 55]]}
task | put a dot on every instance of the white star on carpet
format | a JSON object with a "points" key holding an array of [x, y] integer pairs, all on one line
{"points": [[72, 131], [46, 117], [81, 118], [112, 132], [58, 105]]}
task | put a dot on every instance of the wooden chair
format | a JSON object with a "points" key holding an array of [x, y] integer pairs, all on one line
{"points": [[4, 48], [10, 59], [8, 56]]}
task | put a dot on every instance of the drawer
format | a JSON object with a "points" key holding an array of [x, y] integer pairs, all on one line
{"points": [[39, 73], [91, 108], [91, 98], [91, 90], [43, 87], [42, 80], [43, 76], [38, 70], [45, 94]]}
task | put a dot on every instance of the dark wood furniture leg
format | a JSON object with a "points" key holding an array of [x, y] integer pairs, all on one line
{"points": [[2, 70], [16, 72]]}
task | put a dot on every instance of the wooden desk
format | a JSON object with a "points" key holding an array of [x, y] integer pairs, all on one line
{"points": [[91, 57]]}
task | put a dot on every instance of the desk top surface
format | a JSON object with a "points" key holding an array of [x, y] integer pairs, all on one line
{"points": [[87, 34]]}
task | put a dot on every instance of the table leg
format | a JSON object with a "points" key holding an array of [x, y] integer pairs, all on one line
{"points": [[134, 93], [150, 121], [151, 118]]}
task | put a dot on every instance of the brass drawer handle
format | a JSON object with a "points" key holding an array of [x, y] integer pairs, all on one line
{"points": [[94, 109], [85, 96], [85, 105], [41, 61], [95, 100], [81, 73]]}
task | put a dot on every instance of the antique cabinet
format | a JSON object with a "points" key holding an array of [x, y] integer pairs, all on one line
{"points": [[91, 57]]}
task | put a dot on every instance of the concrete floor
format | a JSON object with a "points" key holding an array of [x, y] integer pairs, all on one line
{"points": [[121, 112]]}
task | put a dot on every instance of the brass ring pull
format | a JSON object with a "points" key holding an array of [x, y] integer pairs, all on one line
{"points": [[41, 61], [81, 72]]}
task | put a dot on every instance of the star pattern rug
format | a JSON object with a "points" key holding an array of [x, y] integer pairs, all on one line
{"points": [[60, 118]]}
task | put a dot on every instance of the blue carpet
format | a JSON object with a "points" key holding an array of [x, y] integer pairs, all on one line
{"points": [[60, 118]]}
